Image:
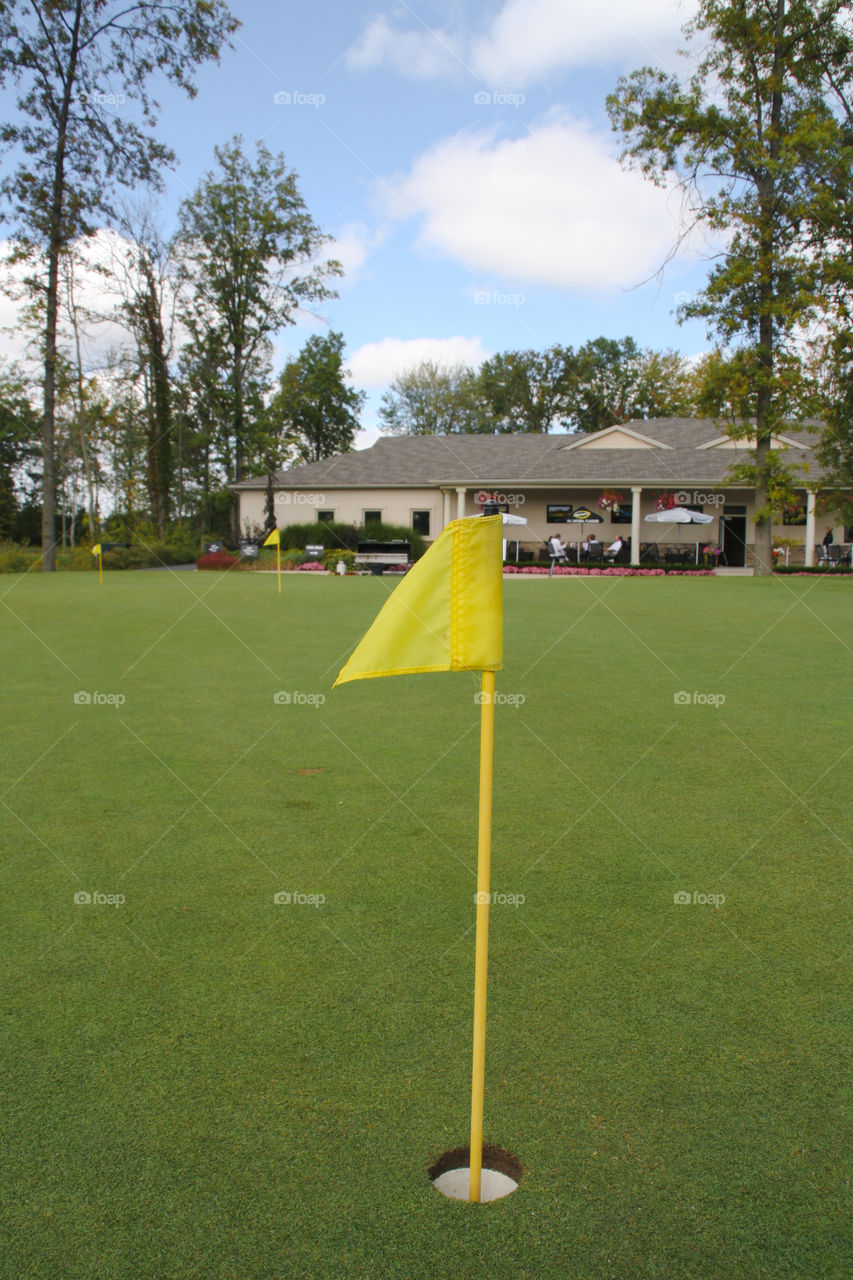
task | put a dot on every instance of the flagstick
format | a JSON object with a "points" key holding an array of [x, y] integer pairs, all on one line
{"points": [[278, 564], [100, 567], [484, 858]]}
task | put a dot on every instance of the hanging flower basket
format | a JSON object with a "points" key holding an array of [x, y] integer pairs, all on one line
{"points": [[610, 500], [666, 501]]}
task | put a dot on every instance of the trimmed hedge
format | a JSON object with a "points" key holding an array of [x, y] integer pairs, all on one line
{"points": [[346, 537]]}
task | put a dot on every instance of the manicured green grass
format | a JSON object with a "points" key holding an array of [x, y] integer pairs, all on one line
{"points": [[202, 1083]]}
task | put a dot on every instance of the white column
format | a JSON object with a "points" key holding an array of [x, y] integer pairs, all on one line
{"points": [[460, 502], [636, 494], [811, 532], [446, 516]]}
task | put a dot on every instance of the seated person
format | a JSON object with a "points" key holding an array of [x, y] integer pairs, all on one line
{"points": [[593, 549], [557, 548], [615, 547]]}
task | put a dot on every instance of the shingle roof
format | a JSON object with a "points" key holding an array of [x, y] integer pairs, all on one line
{"points": [[536, 460]]}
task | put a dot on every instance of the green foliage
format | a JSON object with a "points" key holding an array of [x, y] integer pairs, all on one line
{"points": [[331, 559], [314, 407], [346, 537], [249, 257], [432, 399]]}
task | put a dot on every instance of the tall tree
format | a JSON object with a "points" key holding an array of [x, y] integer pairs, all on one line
{"points": [[249, 251], [743, 135], [314, 406], [432, 399], [76, 62], [527, 390], [615, 380]]}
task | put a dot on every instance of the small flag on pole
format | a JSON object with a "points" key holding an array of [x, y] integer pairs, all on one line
{"points": [[447, 615], [273, 539], [96, 551]]}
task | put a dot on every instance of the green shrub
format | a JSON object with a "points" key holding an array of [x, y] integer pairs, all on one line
{"points": [[346, 537], [15, 560], [394, 533], [124, 558], [331, 560]]}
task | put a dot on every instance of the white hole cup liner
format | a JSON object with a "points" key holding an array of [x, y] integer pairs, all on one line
{"points": [[455, 1184]]}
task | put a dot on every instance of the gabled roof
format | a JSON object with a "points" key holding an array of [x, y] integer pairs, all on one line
{"points": [[663, 452], [618, 437]]}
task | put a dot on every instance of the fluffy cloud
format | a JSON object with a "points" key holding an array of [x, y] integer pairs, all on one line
{"points": [[531, 38], [376, 364], [422, 53], [553, 207], [96, 293]]}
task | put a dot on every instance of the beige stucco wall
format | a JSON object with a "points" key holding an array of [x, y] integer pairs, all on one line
{"points": [[397, 505], [302, 507]]}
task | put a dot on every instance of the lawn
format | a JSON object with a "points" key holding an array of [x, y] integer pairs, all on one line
{"points": [[199, 1081]]}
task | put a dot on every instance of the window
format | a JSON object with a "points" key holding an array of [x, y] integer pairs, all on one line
{"points": [[794, 515], [624, 515], [371, 517], [420, 522], [557, 514], [326, 517]]}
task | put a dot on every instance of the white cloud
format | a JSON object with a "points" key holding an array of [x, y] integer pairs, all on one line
{"points": [[352, 247], [376, 364], [422, 53], [95, 293], [553, 207], [531, 38]]}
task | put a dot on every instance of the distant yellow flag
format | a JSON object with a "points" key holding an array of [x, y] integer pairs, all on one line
{"points": [[273, 539], [96, 550], [446, 614]]}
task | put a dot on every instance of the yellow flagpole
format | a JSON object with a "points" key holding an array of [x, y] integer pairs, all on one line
{"points": [[278, 564], [484, 860]]}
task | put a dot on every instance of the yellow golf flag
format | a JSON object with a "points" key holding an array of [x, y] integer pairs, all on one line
{"points": [[96, 550], [446, 614], [273, 539]]}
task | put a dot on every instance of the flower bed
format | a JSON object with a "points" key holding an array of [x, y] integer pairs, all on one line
{"points": [[217, 560], [614, 571]]}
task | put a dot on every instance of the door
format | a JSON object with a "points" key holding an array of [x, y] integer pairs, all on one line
{"points": [[733, 539]]}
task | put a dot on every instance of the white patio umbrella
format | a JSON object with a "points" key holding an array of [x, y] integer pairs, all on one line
{"points": [[679, 516], [508, 518]]}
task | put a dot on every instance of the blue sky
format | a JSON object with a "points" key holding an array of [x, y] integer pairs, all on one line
{"points": [[461, 156]]}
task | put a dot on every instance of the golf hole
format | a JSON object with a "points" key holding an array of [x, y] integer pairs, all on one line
{"points": [[500, 1176]]}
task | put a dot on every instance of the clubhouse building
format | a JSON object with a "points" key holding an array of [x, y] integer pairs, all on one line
{"points": [[616, 477]]}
